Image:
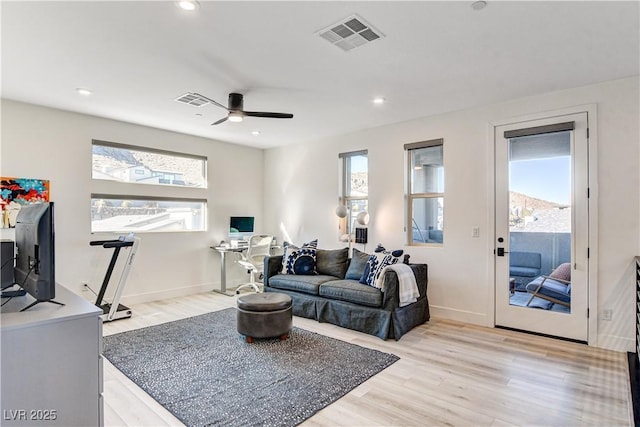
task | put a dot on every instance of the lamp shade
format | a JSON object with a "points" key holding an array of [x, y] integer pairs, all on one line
{"points": [[363, 218], [341, 211]]}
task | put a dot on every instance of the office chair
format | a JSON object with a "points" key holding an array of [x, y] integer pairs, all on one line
{"points": [[253, 260]]}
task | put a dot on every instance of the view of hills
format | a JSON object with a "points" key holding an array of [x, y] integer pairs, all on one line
{"points": [[527, 202], [531, 214], [106, 159]]}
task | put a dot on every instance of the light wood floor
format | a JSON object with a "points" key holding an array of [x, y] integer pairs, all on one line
{"points": [[449, 373]]}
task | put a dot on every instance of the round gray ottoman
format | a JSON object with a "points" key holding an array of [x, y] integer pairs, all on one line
{"points": [[264, 315]]}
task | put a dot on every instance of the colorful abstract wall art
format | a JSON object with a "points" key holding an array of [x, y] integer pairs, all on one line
{"points": [[15, 192]]}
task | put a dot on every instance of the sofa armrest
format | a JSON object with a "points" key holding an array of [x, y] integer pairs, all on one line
{"points": [[391, 295], [272, 266]]}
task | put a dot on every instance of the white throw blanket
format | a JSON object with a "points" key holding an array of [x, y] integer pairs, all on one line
{"points": [[407, 286]]}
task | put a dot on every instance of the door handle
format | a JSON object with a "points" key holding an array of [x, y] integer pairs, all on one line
{"points": [[501, 252]]}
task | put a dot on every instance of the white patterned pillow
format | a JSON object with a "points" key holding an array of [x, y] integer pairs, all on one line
{"points": [[377, 262], [299, 260]]}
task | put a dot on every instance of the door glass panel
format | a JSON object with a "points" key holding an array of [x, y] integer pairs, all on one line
{"points": [[540, 221]]}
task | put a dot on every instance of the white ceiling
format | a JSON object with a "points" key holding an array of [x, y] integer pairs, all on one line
{"points": [[137, 57]]}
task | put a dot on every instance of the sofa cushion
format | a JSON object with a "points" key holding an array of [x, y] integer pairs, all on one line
{"points": [[299, 283], [332, 262], [523, 271], [525, 259], [376, 263], [356, 266], [351, 291], [299, 260], [551, 288]]}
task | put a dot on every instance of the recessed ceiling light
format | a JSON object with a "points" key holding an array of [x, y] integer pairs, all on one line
{"points": [[478, 5], [188, 5], [255, 133], [379, 100], [83, 91]]}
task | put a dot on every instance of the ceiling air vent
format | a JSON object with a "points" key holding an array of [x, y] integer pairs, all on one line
{"points": [[350, 33], [192, 99]]}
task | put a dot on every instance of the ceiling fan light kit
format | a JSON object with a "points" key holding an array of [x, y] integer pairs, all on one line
{"points": [[234, 117]]}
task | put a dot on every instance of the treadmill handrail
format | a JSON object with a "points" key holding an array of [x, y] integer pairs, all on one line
{"points": [[111, 243]]}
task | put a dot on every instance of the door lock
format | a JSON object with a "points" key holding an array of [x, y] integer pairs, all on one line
{"points": [[501, 252]]}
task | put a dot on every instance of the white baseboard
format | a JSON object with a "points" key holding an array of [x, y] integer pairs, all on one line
{"points": [[608, 342], [474, 318], [167, 294], [616, 343]]}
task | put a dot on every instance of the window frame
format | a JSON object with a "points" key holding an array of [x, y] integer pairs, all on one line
{"points": [[347, 200], [131, 190], [411, 197], [117, 145]]}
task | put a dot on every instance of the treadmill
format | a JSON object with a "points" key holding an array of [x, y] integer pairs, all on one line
{"points": [[115, 310]]}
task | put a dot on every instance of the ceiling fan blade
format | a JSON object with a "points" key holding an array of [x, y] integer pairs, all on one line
{"points": [[222, 120], [209, 99], [268, 115]]}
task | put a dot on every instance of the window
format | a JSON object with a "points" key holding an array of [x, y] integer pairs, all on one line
{"points": [[354, 190], [121, 214], [425, 194], [137, 167]]}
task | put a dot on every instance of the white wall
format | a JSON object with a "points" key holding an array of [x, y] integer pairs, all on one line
{"points": [[299, 195], [39, 142], [301, 184]]}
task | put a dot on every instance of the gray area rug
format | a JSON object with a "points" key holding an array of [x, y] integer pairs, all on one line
{"points": [[203, 372]]}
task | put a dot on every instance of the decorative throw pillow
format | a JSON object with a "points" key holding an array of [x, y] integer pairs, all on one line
{"points": [[299, 260], [377, 262], [356, 266], [562, 272], [332, 262]]}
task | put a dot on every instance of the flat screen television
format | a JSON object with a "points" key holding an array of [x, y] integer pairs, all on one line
{"points": [[35, 245], [240, 226]]}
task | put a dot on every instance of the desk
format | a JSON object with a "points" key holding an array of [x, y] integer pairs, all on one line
{"points": [[223, 267], [222, 250]]}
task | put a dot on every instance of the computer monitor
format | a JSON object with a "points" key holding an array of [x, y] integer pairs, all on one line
{"points": [[35, 243], [240, 226]]}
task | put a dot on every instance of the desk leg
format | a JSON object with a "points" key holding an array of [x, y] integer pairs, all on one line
{"points": [[223, 275]]}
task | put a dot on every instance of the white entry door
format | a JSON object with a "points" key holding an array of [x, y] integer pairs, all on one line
{"points": [[541, 216]]}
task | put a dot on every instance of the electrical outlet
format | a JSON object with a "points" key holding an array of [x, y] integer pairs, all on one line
{"points": [[475, 232], [607, 314]]}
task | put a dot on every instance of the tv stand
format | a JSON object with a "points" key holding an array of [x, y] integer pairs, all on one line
{"points": [[38, 302], [58, 353]]}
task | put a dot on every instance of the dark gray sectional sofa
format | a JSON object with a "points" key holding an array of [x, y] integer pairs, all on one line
{"points": [[336, 296]]}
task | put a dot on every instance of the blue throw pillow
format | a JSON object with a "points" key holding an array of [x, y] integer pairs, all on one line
{"points": [[357, 265], [299, 260], [377, 262]]}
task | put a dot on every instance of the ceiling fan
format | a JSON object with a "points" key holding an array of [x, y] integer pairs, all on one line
{"points": [[235, 108]]}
